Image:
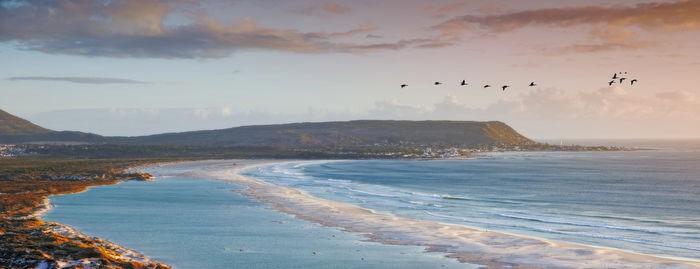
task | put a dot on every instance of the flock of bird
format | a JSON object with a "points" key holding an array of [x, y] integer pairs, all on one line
{"points": [[464, 83], [615, 77]]}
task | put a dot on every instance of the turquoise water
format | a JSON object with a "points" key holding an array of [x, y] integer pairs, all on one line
{"points": [[192, 223], [644, 201]]}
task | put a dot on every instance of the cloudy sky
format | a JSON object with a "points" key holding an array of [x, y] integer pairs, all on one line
{"points": [[133, 67]]}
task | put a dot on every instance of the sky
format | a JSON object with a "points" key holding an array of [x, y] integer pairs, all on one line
{"points": [[135, 67]]}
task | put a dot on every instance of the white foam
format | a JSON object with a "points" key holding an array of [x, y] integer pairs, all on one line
{"points": [[466, 244]]}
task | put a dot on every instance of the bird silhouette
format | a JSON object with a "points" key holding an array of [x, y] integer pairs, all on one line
{"points": [[486, 86], [437, 83], [633, 81], [504, 87], [614, 76], [403, 86], [532, 84], [621, 79], [464, 83], [611, 82]]}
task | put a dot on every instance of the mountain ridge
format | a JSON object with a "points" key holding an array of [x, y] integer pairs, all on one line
{"points": [[344, 133], [299, 135]]}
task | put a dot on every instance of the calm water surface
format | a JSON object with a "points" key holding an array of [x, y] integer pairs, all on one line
{"points": [[191, 223]]}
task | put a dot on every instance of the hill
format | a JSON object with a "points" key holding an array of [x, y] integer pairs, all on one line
{"points": [[17, 130], [358, 133], [344, 134], [13, 125]]}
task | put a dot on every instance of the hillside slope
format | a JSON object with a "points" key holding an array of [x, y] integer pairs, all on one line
{"points": [[13, 125], [349, 133], [14, 130], [308, 134]]}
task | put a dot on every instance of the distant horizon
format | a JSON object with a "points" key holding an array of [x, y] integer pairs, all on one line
{"points": [[538, 139]]}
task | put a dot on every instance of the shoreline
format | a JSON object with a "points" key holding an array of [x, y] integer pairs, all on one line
{"points": [[114, 250], [466, 244], [27, 241]]}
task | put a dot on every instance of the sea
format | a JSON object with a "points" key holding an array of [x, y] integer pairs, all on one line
{"points": [[195, 223], [646, 201]]}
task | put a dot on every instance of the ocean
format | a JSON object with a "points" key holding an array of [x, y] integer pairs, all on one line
{"points": [[195, 223], [643, 201]]}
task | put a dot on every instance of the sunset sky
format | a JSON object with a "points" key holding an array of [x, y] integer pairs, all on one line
{"points": [[133, 67]]}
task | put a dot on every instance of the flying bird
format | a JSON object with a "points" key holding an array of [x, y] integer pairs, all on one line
{"points": [[614, 76], [403, 86], [633, 81], [504, 87], [486, 86], [611, 82], [532, 84], [437, 83], [464, 82], [621, 79]]}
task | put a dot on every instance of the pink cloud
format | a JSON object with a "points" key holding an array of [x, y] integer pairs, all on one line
{"points": [[335, 8], [614, 27], [136, 28], [325, 8]]}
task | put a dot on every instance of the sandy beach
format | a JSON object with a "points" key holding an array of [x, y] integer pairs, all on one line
{"points": [[493, 249]]}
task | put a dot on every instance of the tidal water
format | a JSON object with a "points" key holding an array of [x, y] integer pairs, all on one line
{"points": [[194, 223], [643, 201]]}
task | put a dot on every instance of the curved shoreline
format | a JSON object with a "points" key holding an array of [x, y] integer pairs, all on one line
{"points": [[115, 251], [468, 245]]}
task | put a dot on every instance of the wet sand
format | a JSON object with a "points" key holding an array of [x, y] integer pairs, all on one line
{"points": [[493, 249]]}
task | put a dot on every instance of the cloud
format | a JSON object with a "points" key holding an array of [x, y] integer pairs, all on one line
{"points": [[539, 113], [444, 10], [681, 15], [352, 32], [605, 104], [325, 8], [607, 112], [138, 28], [680, 96], [335, 8], [145, 121], [614, 27], [396, 45], [83, 80]]}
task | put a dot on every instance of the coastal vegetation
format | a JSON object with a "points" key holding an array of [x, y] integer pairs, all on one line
{"points": [[28, 242]]}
